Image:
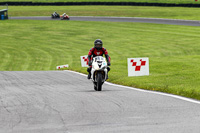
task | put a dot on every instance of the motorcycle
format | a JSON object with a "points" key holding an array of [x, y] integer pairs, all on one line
{"points": [[64, 17], [55, 15], [99, 72]]}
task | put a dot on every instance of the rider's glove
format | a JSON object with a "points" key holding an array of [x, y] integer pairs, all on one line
{"points": [[89, 63], [109, 64]]}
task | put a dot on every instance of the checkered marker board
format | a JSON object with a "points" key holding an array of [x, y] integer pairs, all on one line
{"points": [[138, 66], [84, 62]]}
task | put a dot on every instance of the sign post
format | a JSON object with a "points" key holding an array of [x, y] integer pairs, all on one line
{"points": [[84, 61], [138, 66]]}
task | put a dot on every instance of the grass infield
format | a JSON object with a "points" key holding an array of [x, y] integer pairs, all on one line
{"points": [[125, 11], [174, 51]]}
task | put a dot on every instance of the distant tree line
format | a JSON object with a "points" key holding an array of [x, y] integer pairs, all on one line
{"points": [[97, 3]]}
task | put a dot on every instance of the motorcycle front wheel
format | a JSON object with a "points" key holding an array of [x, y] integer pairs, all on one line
{"points": [[99, 81]]}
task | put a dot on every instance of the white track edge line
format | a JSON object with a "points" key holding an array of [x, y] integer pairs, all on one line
{"points": [[146, 91]]}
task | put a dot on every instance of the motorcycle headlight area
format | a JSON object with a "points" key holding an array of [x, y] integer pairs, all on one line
{"points": [[96, 67]]}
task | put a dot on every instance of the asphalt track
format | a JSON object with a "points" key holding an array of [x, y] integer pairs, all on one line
{"points": [[122, 19], [65, 102]]}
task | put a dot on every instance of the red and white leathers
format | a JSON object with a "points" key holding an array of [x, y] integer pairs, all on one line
{"points": [[98, 52]]}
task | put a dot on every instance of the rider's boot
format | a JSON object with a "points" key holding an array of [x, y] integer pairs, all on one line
{"points": [[107, 73], [89, 72], [107, 77], [89, 75]]}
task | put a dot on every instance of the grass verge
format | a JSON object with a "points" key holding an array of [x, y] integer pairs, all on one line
{"points": [[125, 11], [174, 51]]}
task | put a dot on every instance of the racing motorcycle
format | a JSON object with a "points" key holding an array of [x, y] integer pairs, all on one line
{"points": [[99, 72], [64, 17], [55, 15]]}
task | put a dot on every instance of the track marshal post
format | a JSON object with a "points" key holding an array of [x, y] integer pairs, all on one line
{"points": [[4, 12]]}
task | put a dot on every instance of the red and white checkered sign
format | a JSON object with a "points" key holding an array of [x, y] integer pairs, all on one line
{"points": [[138, 66], [84, 62], [62, 66]]}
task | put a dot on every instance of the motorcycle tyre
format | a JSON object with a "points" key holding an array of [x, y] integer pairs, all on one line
{"points": [[99, 81], [65, 18]]}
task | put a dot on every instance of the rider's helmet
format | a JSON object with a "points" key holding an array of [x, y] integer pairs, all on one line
{"points": [[64, 14], [98, 44]]}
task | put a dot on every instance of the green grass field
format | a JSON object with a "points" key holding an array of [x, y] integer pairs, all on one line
{"points": [[174, 51], [148, 1], [124, 11]]}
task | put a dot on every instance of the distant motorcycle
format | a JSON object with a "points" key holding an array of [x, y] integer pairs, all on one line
{"points": [[99, 72], [55, 15], [66, 17]]}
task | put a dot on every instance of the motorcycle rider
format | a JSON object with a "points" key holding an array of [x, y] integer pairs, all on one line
{"points": [[64, 15], [97, 50], [55, 14]]}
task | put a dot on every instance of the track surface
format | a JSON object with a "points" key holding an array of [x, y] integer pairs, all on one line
{"points": [[65, 102], [122, 19]]}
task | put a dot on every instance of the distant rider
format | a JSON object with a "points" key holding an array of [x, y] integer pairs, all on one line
{"points": [[64, 15], [97, 50], [55, 14]]}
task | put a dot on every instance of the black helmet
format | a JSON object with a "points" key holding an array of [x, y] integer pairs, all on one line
{"points": [[98, 44]]}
